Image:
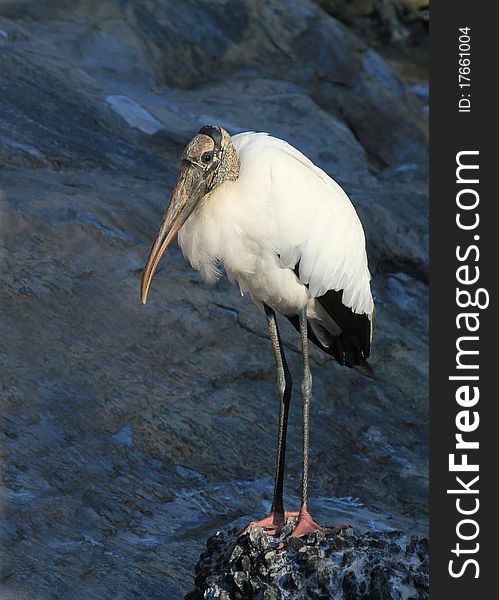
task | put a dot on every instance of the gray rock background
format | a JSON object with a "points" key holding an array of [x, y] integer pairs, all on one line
{"points": [[129, 433]]}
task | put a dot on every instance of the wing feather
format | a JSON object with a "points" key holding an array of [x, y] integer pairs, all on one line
{"points": [[318, 226]]}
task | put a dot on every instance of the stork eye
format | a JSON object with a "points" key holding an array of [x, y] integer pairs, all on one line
{"points": [[206, 157]]}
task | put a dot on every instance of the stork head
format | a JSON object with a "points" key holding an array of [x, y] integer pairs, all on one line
{"points": [[208, 160]]}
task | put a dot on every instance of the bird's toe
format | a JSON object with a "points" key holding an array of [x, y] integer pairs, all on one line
{"points": [[306, 524]]}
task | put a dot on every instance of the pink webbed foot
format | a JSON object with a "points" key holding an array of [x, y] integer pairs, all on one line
{"points": [[272, 524], [306, 525]]}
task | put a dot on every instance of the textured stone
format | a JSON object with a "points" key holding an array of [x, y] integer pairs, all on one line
{"points": [[371, 566]]}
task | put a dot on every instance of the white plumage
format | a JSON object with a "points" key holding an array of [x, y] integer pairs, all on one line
{"points": [[281, 211]]}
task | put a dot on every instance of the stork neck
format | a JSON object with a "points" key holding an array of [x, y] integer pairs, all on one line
{"points": [[229, 167]]}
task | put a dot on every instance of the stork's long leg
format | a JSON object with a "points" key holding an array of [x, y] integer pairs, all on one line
{"points": [[277, 517], [274, 522], [306, 391], [283, 389], [305, 523]]}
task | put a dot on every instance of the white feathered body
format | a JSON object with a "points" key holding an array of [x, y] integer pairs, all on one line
{"points": [[281, 211]]}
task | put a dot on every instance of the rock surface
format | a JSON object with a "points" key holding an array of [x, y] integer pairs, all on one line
{"points": [[372, 566], [129, 434]]}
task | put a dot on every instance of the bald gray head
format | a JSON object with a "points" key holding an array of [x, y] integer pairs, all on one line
{"points": [[208, 160], [212, 151]]}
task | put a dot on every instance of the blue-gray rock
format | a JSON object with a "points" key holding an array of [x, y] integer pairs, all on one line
{"points": [[371, 566]]}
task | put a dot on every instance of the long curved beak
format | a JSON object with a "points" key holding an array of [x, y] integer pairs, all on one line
{"points": [[189, 189]]}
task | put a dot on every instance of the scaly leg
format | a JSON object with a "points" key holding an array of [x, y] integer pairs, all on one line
{"points": [[305, 523], [277, 517]]}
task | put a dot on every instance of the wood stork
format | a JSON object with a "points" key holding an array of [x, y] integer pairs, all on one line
{"points": [[289, 236]]}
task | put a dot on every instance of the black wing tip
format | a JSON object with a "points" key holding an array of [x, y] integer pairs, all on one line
{"points": [[353, 358], [364, 368]]}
